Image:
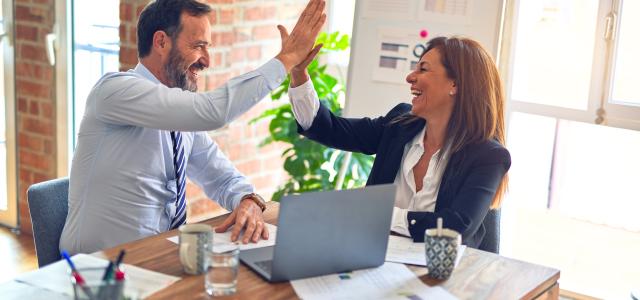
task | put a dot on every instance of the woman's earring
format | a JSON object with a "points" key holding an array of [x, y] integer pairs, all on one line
{"points": [[451, 93]]}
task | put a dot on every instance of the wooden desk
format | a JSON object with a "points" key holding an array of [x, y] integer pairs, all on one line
{"points": [[480, 275]]}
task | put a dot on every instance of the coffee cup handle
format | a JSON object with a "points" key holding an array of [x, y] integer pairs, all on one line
{"points": [[184, 257]]}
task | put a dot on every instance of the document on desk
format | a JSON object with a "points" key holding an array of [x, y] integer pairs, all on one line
{"points": [[225, 237], [389, 281], [404, 250], [140, 283]]}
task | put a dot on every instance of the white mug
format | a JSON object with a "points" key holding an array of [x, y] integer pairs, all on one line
{"points": [[195, 240]]}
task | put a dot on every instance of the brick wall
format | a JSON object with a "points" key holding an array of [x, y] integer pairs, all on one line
{"points": [[35, 96], [244, 35]]}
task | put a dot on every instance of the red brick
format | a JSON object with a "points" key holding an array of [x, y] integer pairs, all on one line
{"points": [[265, 32], [128, 56], [38, 161], [126, 11], [237, 55], [213, 17], [259, 13], [48, 147], [227, 38], [29, 88], [31, 52], [122, 29], [22, 105], [33, 108], [254, 53], [249, 167], [133, 36], [26, 32], [272, 162], [263, 182], [27, 70], [217, 59], [40, 177], [226, 16], [35, 125], [30, 142], [25, 175], [47, 110], [24, 13], [193, 190]]}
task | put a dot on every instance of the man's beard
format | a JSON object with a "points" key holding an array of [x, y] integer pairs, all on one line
{"points": [[176, 72]]}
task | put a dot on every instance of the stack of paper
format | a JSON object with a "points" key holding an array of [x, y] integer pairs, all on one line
{"points": [[389, 281], [404, 250], [225, 238], [140, 283]]}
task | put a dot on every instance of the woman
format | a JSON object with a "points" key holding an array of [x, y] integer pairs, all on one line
{"points": [[445, 152]]}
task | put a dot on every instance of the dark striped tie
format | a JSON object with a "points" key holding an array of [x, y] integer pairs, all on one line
{"points": [[179, 165]]}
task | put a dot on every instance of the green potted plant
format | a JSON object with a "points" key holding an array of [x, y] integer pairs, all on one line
{"points": [[311, 166]]}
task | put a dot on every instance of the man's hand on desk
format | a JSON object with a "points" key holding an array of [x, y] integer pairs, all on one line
{"points": [[247, 216]]}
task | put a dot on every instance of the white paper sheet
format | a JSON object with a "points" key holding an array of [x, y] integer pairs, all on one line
{"points": [[389, 281], [140, 283], [13, 290], [458, 12], [389, 9], [225, 237], [404, 250]]}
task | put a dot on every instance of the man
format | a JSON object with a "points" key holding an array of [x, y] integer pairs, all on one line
{"points": [[143, 133]]}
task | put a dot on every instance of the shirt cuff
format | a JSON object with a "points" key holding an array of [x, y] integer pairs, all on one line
{"points": [[305, 103], [399, 221], [274, 72]]}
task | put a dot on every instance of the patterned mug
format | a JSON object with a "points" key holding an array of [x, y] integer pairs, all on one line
{"points": [[195, 240], [441, 251]]}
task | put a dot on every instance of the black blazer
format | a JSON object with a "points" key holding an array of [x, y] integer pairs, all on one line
{"points": [[468, 184]]}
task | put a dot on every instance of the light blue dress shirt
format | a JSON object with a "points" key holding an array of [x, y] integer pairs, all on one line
{"points": [[122, 183]]}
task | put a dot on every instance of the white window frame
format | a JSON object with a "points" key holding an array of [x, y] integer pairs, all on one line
{"points": [[616, 115], [62, 31], [9, 217]]}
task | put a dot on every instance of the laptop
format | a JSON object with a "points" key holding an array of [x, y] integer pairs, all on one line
{"points": [[327, 232]]}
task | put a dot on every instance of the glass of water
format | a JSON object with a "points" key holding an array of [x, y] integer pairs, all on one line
{"points": [[221, 277]]}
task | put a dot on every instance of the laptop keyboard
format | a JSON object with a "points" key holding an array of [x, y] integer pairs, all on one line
{"points": [[265, 265]]}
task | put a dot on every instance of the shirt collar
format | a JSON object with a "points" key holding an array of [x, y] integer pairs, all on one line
{"points": [[142, 70]]}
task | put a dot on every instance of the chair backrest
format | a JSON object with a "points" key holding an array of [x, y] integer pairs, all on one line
{"points": [[491, 240], [48, 206]]}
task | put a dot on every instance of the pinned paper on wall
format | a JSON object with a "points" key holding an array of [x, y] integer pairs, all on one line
{"points": [[389, 9], [446, 11], [399, 51]]}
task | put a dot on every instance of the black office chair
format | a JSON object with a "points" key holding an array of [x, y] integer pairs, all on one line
{"points": [[491, 240]]}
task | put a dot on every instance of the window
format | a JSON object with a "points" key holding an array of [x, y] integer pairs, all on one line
{"points": [[341, 14], [573, 196], [87, 35], [95, 43], [8, 184], [575, 60]]}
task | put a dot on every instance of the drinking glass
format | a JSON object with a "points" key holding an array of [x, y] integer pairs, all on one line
{"points": [[221, 277]]}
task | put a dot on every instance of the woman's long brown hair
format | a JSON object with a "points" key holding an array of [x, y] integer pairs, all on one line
{"points": [[478, 110]]}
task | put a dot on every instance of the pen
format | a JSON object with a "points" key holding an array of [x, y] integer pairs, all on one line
{"points": [[119, 274], [120, 257], [76, 275], [105, 280], [108, 271]]}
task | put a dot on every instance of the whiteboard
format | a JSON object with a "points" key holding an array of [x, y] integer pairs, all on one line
{"points": [[385, 35]]}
